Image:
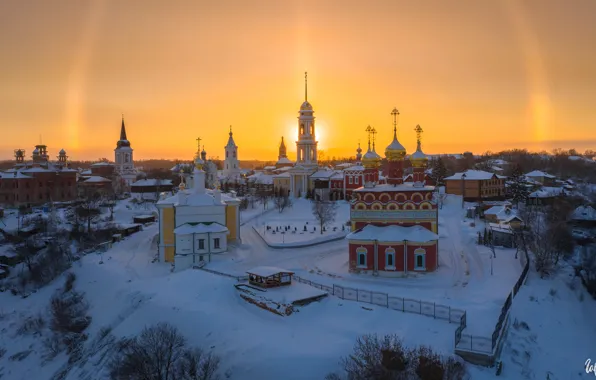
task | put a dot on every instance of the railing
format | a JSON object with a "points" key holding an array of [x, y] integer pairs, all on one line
{"points": [[238, 278], [409, 305], [485, 344]]}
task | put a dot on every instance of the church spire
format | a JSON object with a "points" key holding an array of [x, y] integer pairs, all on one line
{"points": [[123, 130], [306, 86]]}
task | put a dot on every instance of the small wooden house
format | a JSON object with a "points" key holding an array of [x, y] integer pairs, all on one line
{"points": [[269, 277]]}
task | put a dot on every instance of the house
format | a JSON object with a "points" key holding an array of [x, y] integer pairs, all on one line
{"points": [[545, 196], [541, 177], [503, 215], [584, 216], [476, 185], [502, 235], [150, 188]]}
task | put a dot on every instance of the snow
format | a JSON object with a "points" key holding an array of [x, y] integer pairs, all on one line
{"points": [[297, 217], [128, 292], [284, 160], [96, 179], [474, 175], [547, 192], [402, 187], [538, 173], [393, 234], [291, 293], [265, 271], [152, 182], [200, 228], [584, 213]]}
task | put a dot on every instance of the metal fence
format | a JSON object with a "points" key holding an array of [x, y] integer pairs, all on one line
{"points": [[485, 344], [409, 305], [238, 278]]}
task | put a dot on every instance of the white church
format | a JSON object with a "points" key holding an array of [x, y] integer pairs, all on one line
{"points": [[124, 167]]}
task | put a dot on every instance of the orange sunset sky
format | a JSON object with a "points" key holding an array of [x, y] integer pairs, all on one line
{"points": [[475, 74]]}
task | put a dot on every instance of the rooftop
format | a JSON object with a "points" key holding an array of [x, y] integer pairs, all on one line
{"points": [[409, 186], [393, 233], [474, 175], [200, 228], [584, 213], [538, 173], [152, 182], [265, 271]]}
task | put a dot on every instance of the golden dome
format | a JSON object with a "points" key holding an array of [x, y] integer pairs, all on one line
{"points": [[306, 106], [418, 159], [395, 151], [199, 162], [371, 159]]}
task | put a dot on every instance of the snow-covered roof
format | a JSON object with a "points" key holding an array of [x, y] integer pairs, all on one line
{"points": [[282, 175], [499, 162], [474, 175], [102, 164], [200, 228], [538, 173], [505, 228], [96, 179], [270, 167], [547, 192], [393, 233], [15, 175], [259, 177], [584, 213], [152, 182], [36, 169], [356, 168], [284, 160], [86, 172], [337, 176], [322, 174], [390, 188], [265, 271]]}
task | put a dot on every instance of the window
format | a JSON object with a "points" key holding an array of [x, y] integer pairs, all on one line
{"points": [[350, 180], [390, 258], [201, 243], [227, 154], [420, 259], [216, 243], [227, 166], [234, 154], [302, 129], [312, 130], [361, 257], [356, 180]]}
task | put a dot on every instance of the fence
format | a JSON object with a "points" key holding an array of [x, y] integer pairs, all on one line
{"points": [[238, 278], [485, 344], [408, 305]]}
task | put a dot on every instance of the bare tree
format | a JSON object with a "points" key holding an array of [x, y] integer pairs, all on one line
{"points": [[281, 201], [88, 207], [324, 212], [160, 353]]}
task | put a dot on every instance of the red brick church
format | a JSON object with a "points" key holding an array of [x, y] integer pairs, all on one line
{"points": [[395, 229]]}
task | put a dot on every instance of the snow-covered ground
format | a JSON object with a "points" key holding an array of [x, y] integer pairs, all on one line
{"points": [[287, 228], [128, 292]]}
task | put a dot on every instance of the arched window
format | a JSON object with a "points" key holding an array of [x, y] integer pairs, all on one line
{"points": [[312, 129], [301, 129], [361, 257], [390, 258], [126, 158], [234, 154], [227, 154], [420, 259]]}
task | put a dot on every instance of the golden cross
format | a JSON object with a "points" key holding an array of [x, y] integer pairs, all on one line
{"points": [[198, 144]]}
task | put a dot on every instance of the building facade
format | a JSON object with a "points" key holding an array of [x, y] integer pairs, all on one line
{"points": [[123, 157], [197, 223], [476, 185], [38, 181], [394, 225], [231, 169]]}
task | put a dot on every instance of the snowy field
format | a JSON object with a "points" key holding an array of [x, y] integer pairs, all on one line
{"points": [[128, 292], [287, 229]]}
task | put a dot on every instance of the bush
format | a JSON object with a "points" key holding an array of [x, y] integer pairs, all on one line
{"points": [[32, 325], [69, 283], [386, 358], [160, 352]]}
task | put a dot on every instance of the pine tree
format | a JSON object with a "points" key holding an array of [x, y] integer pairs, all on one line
{"points": [[517, 186], [439, 171]]}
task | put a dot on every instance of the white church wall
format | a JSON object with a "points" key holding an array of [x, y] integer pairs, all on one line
{"points": [[204, 214], [182, 262]]}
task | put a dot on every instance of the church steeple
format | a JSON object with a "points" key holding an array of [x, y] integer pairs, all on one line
{"points": [[123, 130], [231, 164], [282, 149]]}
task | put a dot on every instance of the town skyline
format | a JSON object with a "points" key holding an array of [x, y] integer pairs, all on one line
{"points": [[517, 82]]}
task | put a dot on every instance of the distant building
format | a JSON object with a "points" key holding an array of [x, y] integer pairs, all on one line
{"points": [[149, 189], [476, 185], [124, 168], [231, 169], [38, 181], [541, 177]]}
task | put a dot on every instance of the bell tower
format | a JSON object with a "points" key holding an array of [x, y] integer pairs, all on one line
{"points": [[306, 146], [231, 164]]}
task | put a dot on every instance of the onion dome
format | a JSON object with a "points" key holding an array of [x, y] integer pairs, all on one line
{"points": [[418, 159], [62, 152], [306, 106], [371, 159], [395, 151], [199, 162]]}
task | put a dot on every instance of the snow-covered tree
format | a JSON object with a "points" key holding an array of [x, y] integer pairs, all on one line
{"points": [[517, 186]]}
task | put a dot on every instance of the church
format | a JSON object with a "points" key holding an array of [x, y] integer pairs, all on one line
{"points": [[196, 223], [394, 225]]}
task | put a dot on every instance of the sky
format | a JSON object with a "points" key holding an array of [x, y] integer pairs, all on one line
{"points": [[476, 75]]}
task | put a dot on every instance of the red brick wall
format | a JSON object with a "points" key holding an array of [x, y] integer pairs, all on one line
{"points": [[430, 257]]}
